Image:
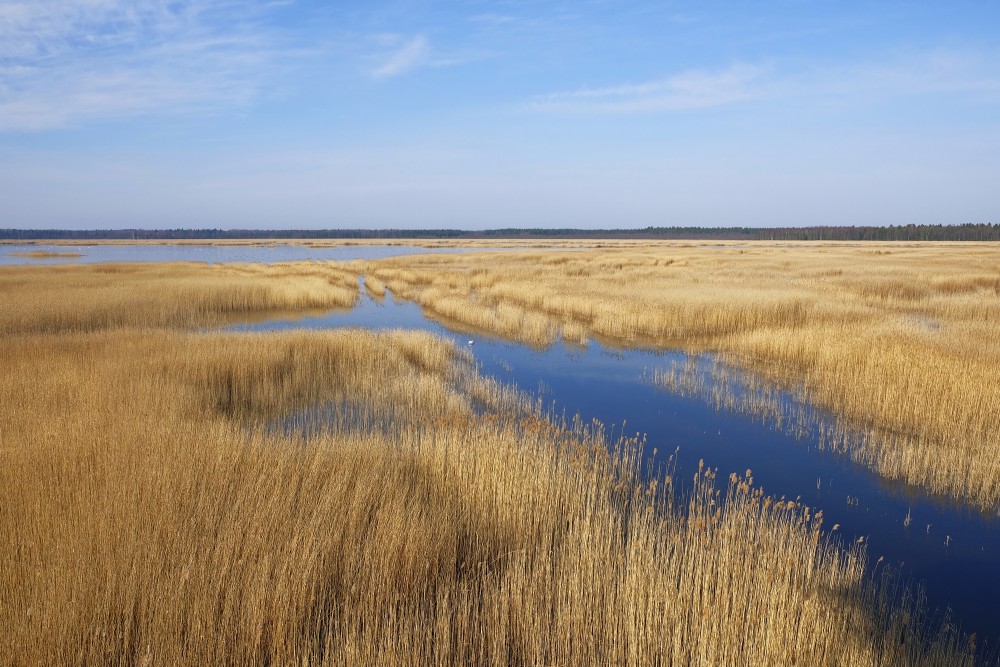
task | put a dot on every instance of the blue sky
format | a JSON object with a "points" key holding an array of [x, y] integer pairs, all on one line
{"points": [[308, 114]]}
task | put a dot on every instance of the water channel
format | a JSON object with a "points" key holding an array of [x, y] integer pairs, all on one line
{"points": [[948, 548]]}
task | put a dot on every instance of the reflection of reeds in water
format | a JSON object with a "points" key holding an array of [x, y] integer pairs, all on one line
{"points": [[736, 390], [149, 516]]}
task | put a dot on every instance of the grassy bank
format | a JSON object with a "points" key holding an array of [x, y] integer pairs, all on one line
{"points": [[152, 510], [91, 297], [902, 341]]}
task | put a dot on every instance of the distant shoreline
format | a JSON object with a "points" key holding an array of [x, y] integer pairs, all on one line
{"points": [[964, 232]]}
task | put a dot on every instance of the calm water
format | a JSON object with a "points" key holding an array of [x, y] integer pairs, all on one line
{"points": [[613, 386], [211, 254]]}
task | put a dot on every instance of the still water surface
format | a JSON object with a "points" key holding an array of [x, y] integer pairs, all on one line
{"points": [[614, 386], [210, 254]]}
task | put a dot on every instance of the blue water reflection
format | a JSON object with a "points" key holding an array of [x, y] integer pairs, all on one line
{"points": [[613, 386], [210, 254]]}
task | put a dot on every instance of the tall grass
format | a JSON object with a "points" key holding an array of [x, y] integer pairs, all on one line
{"points": [[51, 299], [902, 341], [45, 254], [150, 514]]}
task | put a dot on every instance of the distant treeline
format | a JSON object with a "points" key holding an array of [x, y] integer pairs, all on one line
{"points": [[967, 232]]}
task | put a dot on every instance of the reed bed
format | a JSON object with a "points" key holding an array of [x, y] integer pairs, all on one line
{"points": [[901, 341], [68, 298], [149, 515], [46, 254]]}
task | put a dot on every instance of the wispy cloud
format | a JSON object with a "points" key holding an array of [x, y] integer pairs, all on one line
{"points": [[960, 75], [66, 62], [975, 75], [409, 55], [494, 19], [400, 55], [683, 91]]}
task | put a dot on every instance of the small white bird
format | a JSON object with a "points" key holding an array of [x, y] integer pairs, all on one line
{"points": [[471, 342]]}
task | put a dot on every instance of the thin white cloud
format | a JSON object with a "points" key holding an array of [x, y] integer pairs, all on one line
{"points": [[494, 19], [683, 91], [939, 72], [67, 62], [411, 54], [960, 75]]}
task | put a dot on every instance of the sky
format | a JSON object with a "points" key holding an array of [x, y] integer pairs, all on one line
{"points": [[471, 114]]}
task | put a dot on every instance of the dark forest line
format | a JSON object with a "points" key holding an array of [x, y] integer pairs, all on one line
{"points": [[965, 232]]}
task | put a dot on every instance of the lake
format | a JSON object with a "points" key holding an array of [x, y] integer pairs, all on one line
{"points": [[210, 254]]}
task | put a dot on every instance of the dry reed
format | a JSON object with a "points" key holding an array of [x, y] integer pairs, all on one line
{"points": [[901, 341], [149, 515], [61, 298], [46, 254]]}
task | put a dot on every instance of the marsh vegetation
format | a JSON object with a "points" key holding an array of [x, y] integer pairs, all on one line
{"points": [[47, 254], [148, 517], [900, 341], [75, 298]]}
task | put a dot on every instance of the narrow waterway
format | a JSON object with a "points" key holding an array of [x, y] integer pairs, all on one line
{"points": [[948, 548]]}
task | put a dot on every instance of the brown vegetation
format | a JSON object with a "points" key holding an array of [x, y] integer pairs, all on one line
{"points": [[100, 296], [46, 254], [152, 510], [902, 341]]}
